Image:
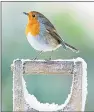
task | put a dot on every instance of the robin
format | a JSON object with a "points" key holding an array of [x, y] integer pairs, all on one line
{"points": [[42, 35]]}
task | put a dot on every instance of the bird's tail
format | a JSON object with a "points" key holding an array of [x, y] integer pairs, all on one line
{"points": [[71, 47]]}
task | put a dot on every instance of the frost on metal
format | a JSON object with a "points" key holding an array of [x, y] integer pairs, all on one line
{"points": [[23, 101]]}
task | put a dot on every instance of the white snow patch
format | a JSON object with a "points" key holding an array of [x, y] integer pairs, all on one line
{"points": [[35, 104]]}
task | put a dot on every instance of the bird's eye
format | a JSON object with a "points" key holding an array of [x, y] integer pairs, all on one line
{"points": [[33, 15]]}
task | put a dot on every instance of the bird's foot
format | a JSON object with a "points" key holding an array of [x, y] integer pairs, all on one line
{"points": [[36, 58], [49, 59]]}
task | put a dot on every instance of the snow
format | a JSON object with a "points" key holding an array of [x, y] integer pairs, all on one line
{"points": [[35, 104]]}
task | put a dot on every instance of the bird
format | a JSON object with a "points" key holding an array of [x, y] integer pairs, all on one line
{"points": [[42, 35]]}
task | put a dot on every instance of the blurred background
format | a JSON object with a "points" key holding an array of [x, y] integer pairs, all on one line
{"points": [[74, 22]]}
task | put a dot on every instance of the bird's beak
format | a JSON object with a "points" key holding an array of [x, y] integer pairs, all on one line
{"points": [[25, 13]]}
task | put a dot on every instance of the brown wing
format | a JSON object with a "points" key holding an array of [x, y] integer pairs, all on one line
{"points": [[54, 34], [50, 28]]}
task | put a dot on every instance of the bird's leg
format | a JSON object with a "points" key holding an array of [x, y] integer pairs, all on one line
{"points": [[50, 58], [37, 55]]}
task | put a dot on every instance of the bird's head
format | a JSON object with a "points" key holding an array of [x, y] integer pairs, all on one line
{"points": [[35, 16], [34, 19]]}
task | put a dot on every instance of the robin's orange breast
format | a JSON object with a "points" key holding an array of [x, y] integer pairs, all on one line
{"points": [[33, 28]]}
